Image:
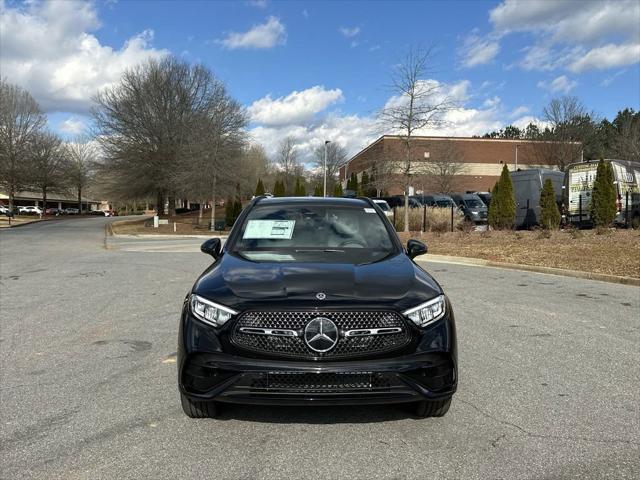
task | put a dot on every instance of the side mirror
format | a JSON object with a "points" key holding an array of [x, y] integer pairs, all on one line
{"points": [[415, 248], [211, 247]]}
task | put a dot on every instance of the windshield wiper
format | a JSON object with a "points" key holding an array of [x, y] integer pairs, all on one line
{"points": [[324, 250]]}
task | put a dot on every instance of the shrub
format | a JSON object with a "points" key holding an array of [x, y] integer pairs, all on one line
{"points": [[603, 197], [337, 190], [549, 213], [502, 210], [259, 188]]}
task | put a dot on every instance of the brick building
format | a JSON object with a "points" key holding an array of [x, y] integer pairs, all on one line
{"points": [[479, 161]]}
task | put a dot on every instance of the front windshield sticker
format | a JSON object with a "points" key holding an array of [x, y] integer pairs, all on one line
{"points": [[269, 229]]}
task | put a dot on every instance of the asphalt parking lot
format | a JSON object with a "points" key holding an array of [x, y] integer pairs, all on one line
{"points": [[549, 377]]}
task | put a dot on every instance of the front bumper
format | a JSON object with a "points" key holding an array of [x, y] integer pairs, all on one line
{"points": [[210, 369], [228, 378]]}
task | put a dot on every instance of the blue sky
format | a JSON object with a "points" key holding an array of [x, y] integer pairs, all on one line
{"points": [[316, 70]]}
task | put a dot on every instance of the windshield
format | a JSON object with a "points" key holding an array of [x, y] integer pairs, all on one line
{"points": [[474, 203], [444, 203], [384, 206], [313, 233]]}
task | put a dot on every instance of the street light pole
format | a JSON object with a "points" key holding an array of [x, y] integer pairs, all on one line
{"points": [[326, 142], [517, 157]]}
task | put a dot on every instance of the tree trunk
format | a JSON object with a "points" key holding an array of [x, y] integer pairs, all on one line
{"points": [[12, 195], [406, 207], [213, 206], [79, 199], [159, 203], [44, 201]]}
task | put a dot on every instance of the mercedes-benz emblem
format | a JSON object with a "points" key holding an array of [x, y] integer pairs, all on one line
{"points": [[321, 334], [320, 296]]}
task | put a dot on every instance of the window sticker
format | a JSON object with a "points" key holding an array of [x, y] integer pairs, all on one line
{"points": [[269, 229], [370, 210]]}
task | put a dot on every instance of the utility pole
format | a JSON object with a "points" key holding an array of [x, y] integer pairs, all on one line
{"points": [[326, 142]]}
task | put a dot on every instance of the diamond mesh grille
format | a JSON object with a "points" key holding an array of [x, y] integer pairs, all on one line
{"points": [[296, 347]]}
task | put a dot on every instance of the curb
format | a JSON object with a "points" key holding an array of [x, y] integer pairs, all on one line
{"points": [[161, 235], [477, 262]]}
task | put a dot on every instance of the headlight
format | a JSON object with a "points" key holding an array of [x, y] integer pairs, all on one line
{"points": [[428, 312], [475, 213], [210, 312]]}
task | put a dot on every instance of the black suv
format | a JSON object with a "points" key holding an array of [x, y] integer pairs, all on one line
{"points": [[315, 301]]}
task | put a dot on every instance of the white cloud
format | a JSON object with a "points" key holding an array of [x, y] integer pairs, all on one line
{"points": [[311, 128], [305, 13], [264, 35], [521, 110], [47, 49], [478, 51], [611, 78], [561, 84], [72, 126], [294, 108], [579, 36], [608, 56], [491, 102], [349, 31]]}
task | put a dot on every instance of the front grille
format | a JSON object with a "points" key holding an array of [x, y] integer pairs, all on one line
{"points": [[320, 382], [295, 346]]}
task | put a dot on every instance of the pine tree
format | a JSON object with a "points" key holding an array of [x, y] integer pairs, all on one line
{"points": [[352, 184], [317, 191], [299, 190], [603, 197], [278, 189], [549, 213], [364, 185], [502, 211], [228, 212], [337, 190], [259, 188]]}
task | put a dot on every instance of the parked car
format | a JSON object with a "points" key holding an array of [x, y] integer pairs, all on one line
{"points": [[579, 178], [71, 211], [527, 187], [485, 196], [53, 211], [442, 201], [398, 201], [30, 210], [472, 207], [315, 301], [100, 213], [384, 206], [6, 211]]}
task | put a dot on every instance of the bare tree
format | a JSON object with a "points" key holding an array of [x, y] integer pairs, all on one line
{"points": [[444, 166], [46, 164], [336, 157], [81, 156], [20, 120], [288, 160], [570, 126], [150, 121], [418, 104]]}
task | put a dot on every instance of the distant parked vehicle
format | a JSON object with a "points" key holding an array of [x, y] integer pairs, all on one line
{"points": [[398, 201], [527, 187], [384, 206], [472, 207], [441, 201], [53, 211], [30, 210], [6, 211], [71, 211], [578, 182], [485, 196]]}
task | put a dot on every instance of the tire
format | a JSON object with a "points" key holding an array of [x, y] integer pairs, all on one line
{"points": [[198, 409], [430, 408]]}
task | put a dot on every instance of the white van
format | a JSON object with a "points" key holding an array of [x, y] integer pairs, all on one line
{"points": [[579, 178]]}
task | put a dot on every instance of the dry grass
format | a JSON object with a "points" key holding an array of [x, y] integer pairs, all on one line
{"points": [[144, 226], [614, 252], [438, 219]]}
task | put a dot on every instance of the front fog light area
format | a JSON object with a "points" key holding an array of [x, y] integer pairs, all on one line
{"points": [[210, 312], [428, 312]]}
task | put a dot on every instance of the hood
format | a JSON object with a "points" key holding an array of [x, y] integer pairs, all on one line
{"points": [[395, 282]]}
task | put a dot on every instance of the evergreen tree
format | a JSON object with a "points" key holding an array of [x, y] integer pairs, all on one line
{"points": [[299, 190], [259, 188], [317, 191], [364, 185], [549, 213], [337, 190], [228, 212], [603, 197], [502, 211], [278, 189], [352, 184]]}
